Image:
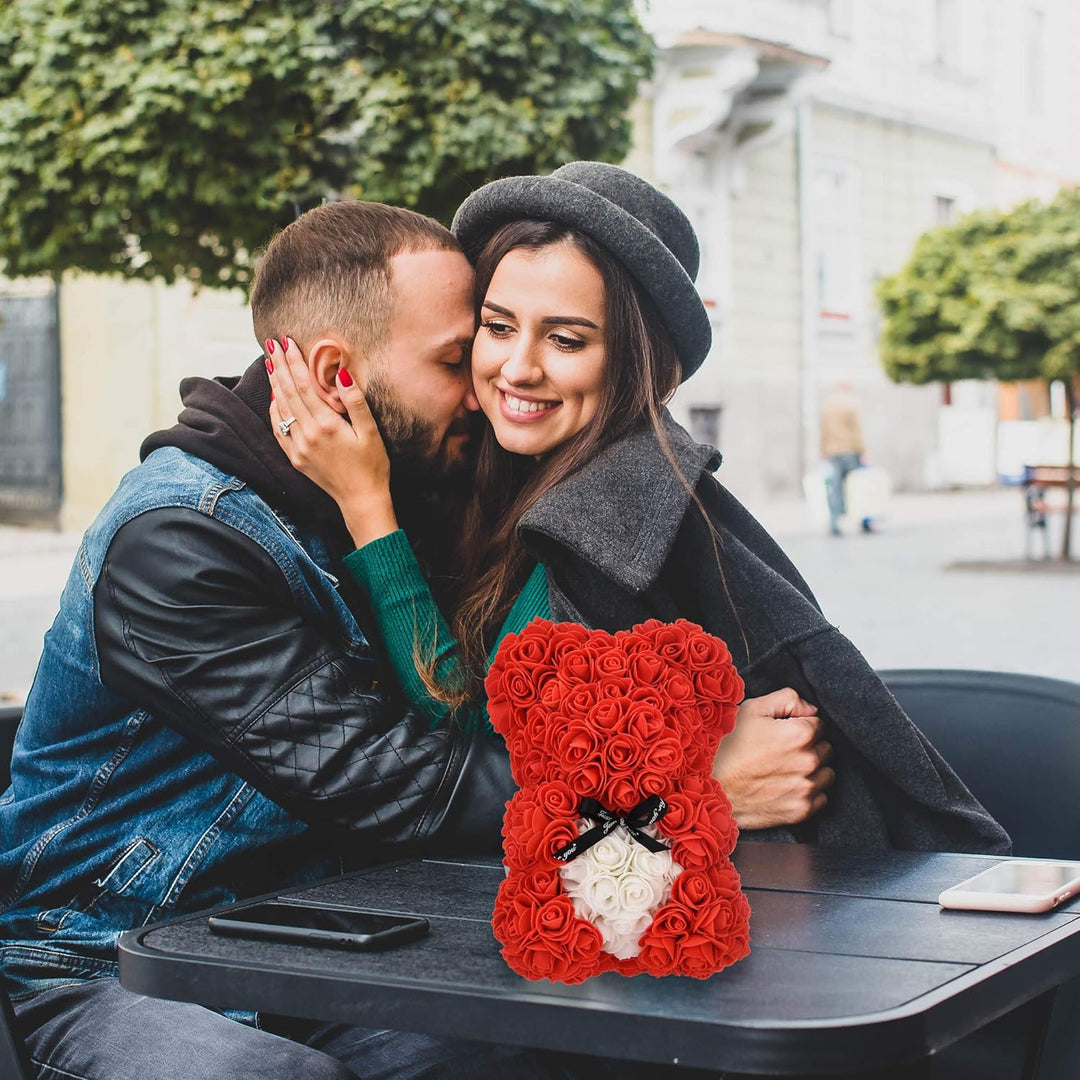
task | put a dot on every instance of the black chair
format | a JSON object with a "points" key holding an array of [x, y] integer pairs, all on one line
{"points": [[9, 723], [14, 1060], [1015, 742]]}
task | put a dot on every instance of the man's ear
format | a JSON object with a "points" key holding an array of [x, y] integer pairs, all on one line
{"points": [[324, 358]]}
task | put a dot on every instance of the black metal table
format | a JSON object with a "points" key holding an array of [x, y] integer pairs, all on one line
{"points": [[853, 967]]}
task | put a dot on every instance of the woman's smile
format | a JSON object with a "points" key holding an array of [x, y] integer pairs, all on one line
{"points": [[524, 410]]}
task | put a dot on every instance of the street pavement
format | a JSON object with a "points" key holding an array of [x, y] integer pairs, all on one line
{"points": [[904, 596], [896, 592], [34, 565]]}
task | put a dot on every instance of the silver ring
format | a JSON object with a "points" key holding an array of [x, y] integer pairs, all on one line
{"points": [[283, 427]]}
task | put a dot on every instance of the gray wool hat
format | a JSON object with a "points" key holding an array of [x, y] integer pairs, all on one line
{"points": [[639, 225]]}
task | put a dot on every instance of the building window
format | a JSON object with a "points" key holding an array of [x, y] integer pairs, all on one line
{"points": [[947, 33], [705, 424], [1035, 59], [944, 209], [836, 213]]}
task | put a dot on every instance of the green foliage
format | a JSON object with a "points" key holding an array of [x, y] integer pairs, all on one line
{"points": [[995, 296], [170, 138]]}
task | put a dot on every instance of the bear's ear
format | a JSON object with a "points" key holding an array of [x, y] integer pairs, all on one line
{"points": [[498, 703], [648, 629], [493, 681], [509, 717], [499, 713]]}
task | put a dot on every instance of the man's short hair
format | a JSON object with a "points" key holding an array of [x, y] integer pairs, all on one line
{"points": [[329, 272]]}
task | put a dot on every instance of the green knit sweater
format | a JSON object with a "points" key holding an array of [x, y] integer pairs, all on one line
{"points": [[388, 573]]}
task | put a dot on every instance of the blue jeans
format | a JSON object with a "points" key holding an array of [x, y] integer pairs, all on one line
{"points": [[96, 1030], [841, 464]]}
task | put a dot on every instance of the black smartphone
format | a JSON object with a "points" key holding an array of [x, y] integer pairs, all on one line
{"points": [[341, 927]]}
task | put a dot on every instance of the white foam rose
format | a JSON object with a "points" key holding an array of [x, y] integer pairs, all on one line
{"points": [[617, 885], [623, 935], [650, 863], [611, 854], [576, 871], [637, 893], [601, 893]]}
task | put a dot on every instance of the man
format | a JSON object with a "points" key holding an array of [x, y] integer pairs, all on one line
{"points": [[209, 720], [842, 447]]}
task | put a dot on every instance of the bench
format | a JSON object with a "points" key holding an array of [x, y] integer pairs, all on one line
{"points": [[1038, 481]]}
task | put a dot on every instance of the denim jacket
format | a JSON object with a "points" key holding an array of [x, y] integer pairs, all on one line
{"points": [[120, 813]]}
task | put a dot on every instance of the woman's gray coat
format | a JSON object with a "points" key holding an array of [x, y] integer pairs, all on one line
{"points": [[624, 542]]}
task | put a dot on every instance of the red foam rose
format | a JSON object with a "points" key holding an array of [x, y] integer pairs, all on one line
{"points": [[608, 715]]}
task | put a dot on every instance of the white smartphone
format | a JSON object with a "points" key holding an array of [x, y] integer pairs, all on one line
{"points": [[1025, 885]]}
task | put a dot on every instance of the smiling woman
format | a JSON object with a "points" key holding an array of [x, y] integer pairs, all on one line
{"points": [[539, 374], [571, 356]]}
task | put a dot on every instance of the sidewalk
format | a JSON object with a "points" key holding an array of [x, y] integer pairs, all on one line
{"points": [[891, 592], [34, 565], [34, 562], [897, 595]]}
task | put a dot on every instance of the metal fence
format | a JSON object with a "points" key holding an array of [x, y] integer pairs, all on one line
{"points": [[30, 466]]}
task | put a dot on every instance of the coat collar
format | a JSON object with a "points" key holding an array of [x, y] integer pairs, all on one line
{"points": [[621, 511]]}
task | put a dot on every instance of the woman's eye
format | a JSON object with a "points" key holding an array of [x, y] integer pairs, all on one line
{"points": [[496, 328], [570, 344]]}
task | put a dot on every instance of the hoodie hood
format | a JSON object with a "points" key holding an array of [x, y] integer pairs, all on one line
{"points": [[226, 422]]}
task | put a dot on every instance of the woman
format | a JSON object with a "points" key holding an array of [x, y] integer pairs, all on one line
{"points": [[592, 505]]}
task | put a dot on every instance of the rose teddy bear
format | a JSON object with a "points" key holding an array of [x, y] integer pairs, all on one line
{"points": [[617, 844]]}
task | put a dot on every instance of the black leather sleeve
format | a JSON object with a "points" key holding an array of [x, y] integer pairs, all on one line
{"points": [[196, 623]]}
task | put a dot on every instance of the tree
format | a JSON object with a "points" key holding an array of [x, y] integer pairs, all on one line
{"points": [[169, 138], [995, 296]]}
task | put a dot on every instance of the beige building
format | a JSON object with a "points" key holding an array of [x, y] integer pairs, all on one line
{"points": [[125, 346], [87, 370], [812, 141]]}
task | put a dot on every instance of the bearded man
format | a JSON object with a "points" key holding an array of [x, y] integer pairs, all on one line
{"points": [[210, 720]]}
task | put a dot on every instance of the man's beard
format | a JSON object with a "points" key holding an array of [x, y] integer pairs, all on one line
{"points": [[430, 482], [415, 452]]}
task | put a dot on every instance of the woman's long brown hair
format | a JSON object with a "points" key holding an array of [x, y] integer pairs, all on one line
{"points": [[641, 373]]}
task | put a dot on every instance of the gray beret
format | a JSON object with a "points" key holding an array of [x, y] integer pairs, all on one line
{"points": [[639, 225]]}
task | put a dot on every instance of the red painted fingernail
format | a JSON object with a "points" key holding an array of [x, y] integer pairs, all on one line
{"points": [[271, 395], [269, 346], [285, 343], [269, 366], [344, 376]]}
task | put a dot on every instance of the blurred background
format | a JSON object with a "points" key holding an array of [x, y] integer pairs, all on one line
{"points": [[860, 174]]}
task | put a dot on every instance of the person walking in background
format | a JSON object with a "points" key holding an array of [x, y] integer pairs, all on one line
{"points": [[842, 447]]}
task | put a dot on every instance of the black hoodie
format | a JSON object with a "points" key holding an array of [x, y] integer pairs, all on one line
{"points": [[195, 622], [226, 421]]}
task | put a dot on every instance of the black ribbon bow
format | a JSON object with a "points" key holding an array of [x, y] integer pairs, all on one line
{"points": [[647, 812]]}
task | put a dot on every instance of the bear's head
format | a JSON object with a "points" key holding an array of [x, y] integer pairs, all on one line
{"points": [[616, 716]]}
